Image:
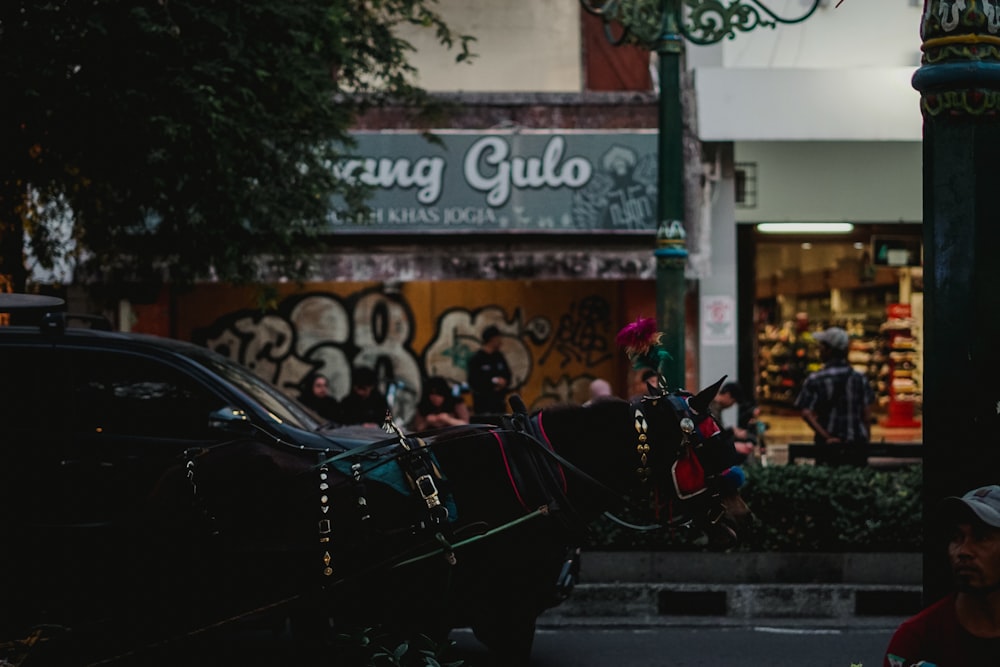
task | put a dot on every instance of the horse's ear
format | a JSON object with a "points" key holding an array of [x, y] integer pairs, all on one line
{"points": [[705, 396]]}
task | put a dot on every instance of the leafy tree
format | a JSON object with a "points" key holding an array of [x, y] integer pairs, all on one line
{"points": [[189, 138]]}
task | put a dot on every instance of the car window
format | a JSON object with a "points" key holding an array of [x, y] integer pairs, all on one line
{"points": [[117, 393], [33, 392], [278, 404]]}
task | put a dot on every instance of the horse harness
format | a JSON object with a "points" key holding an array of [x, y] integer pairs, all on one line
{"points": [[687, 476], [537, 475], [423, 478]]}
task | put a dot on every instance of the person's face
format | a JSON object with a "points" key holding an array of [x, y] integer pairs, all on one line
{"points": [[640, 385], [363, 392], [436, 399], [320, 387], [725, 400], [974, 555]]}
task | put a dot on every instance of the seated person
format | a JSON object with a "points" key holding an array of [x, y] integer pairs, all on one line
{"points": [[314, 393], [744, 441], [641, 381], [365, 404], [439, 406]]}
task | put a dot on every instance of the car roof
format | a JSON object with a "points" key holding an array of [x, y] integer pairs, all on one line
{"points": [[117, 339]]}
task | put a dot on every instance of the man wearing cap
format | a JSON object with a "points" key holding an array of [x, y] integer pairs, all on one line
{"points": [[489, 375], [836, 401], [962, 629]]}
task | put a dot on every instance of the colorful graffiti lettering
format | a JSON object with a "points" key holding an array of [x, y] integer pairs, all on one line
{"points": [[458, 336], [582, 335], [374, 327], [330, 335]]}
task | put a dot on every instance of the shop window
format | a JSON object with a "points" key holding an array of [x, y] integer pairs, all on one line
{"points": [[746, 184]]}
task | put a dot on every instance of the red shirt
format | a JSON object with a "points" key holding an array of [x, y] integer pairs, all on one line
{"points": [[934, 638]]}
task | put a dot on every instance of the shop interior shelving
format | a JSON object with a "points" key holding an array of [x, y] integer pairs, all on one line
{"points": [[787, 354], [901, 369]]}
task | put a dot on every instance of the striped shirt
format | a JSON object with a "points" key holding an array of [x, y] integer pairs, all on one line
{"points": [[838, 395]]}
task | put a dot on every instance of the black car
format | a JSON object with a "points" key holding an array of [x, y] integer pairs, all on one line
{"points": [[91, 420]]}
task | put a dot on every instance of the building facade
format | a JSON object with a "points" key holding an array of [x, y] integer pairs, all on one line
{"points": [[812, 122]]}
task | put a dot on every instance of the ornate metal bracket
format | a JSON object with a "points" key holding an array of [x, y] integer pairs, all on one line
{"points": [[656, 23]]}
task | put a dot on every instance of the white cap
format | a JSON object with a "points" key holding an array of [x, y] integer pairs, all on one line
{"points": [[984, 502]]}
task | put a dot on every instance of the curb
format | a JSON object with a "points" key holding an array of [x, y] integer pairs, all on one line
{"points": [[648, 589], [741, 603]]}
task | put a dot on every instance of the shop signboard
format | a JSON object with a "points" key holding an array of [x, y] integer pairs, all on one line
{"points": [[896, 251], [523, 181]]}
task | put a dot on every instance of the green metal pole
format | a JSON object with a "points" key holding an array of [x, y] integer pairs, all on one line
{"points": [[671, 250], [656, 24], [959, 83]]}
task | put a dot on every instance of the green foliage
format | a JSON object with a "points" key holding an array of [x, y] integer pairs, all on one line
{"points": [[192, 138], [802, 508], [373, 648], [819, 508]]}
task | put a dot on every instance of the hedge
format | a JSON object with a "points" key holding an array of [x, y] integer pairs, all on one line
{"points": [[799, 508]]}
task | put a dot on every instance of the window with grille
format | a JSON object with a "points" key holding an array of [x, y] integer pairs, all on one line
{"points": [[746, 184]]}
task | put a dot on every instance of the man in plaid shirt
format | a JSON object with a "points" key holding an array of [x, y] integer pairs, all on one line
{"points": [[836, 400]]}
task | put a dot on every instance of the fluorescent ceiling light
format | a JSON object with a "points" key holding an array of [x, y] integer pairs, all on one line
{"points": [[805, 227]]}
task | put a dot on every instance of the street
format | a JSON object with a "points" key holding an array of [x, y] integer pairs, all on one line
{"points": [[707, 644], [764, 645]]}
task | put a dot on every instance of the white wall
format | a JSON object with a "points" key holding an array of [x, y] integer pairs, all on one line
{"points": [[866, 104], [716, 360], [522, 45], [835, 181], [534, 45], [857, 34], [843, 74]]}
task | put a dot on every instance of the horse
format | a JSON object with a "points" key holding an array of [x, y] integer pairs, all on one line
{"points": [[471, 526]]}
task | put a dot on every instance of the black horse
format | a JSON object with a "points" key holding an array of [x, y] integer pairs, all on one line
{"points": [[463, 527]]}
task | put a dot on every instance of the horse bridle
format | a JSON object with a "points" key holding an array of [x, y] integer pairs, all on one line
{"points": [[691, 439]]}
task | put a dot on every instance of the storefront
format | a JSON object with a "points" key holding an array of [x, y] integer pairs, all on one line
{"points": [[547, 235], [867, 279]]}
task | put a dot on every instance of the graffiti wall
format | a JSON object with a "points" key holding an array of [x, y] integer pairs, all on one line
{"points": [[557, 336]]}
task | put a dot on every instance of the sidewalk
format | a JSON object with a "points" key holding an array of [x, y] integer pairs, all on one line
{"points": [[834, 590], [783, 429], [641, 589]]}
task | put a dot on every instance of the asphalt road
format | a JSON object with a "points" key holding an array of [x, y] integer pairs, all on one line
{"points": [[702, 645], [750, 646], [764, 645]]}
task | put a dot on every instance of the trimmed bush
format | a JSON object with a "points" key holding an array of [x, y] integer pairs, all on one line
{"points": [[799, 508]]}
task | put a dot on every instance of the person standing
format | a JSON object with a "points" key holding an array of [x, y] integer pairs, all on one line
{"points": [[365, 404], [489, 375], [836, 401], [314, 393], [963, 628]]}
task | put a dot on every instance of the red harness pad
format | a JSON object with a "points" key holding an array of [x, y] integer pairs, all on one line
{"points": [[688, 474]]}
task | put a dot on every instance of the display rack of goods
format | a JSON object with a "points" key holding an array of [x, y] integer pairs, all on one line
{"points": [[784, 360], [901, 370], [865, 355], [787, 356]]}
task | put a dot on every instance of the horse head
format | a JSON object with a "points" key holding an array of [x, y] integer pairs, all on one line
{"points": [[686, 463]]}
